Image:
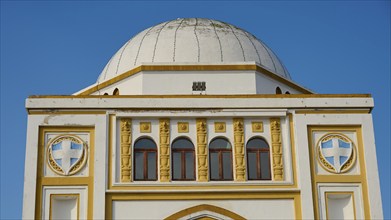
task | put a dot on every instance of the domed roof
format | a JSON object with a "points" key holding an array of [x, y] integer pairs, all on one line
{"points": [[192, 40]]}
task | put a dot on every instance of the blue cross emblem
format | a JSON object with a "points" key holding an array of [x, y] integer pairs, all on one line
{"points": [[67, 154], [337, 152]]}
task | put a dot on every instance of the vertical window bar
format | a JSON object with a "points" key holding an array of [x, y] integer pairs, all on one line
{"points": [[145, 165]]}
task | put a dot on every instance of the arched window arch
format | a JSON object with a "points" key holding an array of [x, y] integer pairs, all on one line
{"points": [[183, 159], [258, 159], [287, 92], [145, 159], [278, 90], [205, 211], [220, 159], [116, 91]]}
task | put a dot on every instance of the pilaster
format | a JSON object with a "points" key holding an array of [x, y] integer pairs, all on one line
{"points": [[201, 150], [164, 127], [278, 168], [126, 140], [239, 149]]}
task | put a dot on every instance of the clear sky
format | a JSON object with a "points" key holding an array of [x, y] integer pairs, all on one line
{"points": [[60, 47]]}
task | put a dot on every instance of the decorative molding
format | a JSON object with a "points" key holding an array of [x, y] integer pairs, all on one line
{"points": [[164, 127], [239, 149], [333, 168], [201, 150], [339, 193], [257, 126], [254, 96], [219, 127], [142, 68], [183, 127], [292, 195], [191, 213], [53, 181], [278, 168], [126, 140], [55, 154], [145, 127], [359, 178], [65, 197]]}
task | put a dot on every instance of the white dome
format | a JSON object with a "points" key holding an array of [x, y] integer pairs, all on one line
{"points": [[192, 40]]}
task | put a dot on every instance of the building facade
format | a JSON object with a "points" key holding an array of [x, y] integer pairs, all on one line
{"points": [[199, 119]]}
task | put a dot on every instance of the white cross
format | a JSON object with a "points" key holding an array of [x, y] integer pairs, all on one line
{"points": [[65, 154], [336, 152]]}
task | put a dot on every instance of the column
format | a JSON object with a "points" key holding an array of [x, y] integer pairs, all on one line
{"points": [[126, 140], [278, 168], [201, 150], [164, 127], [239, 149]]}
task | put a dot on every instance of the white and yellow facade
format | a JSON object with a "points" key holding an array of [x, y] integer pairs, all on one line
{"points": [[80, 153]]}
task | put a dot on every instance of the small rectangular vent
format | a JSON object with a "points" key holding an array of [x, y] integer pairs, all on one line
{"points": [[199, 86]]}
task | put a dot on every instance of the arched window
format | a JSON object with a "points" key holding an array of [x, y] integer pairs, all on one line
{"points": [[278, 90], [258, 159], [145, 159], [287, 92], [183, 159], [220, 159], [116, 91]]}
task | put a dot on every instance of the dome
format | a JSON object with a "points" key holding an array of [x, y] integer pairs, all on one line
{"points": [[192, 40]]}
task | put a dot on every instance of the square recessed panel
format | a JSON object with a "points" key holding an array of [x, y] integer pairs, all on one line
{"points": [[66, 153], [340, 199], [65, 202], [220, 127], [335, 152], [183, 127], [145, 127], [257, 126]]}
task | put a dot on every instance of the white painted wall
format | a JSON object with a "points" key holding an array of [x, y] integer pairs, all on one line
{"points": [[130, 86], [250, 109], [249, 209], [99, 122], [267, 85], [181, 82], [259, 103], [301, 122]]}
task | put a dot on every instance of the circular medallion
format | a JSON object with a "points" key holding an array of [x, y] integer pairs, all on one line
{"points": [[336, 153], [66, 154]]}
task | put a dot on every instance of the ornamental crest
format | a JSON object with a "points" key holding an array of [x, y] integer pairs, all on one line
{"points": [[336, 153], [66, 154]]}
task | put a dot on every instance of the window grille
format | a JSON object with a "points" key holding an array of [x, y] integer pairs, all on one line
{"points": [[199, 86]]}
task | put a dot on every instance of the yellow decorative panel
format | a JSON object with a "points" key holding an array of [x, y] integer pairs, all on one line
{"points": [[337, 146], [145, 127], [112, 197], [257, 126], [239, 149], [183, 127], [278, 168], [220, 127], [126, 140], [201, 150], [327, 141], [67, 134], [66, 168], [164, 127]]}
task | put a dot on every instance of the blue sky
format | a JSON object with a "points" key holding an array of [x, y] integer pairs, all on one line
{"points": [[60, 47]]}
